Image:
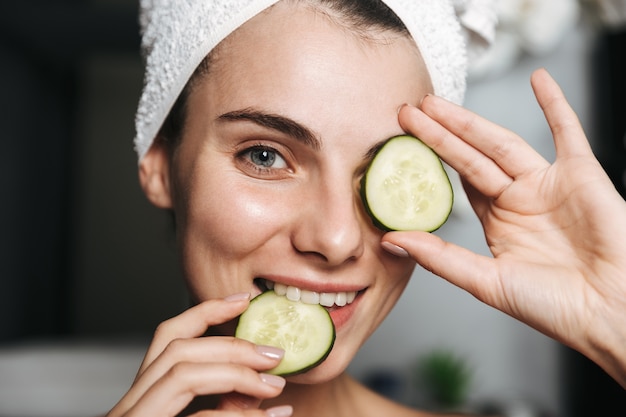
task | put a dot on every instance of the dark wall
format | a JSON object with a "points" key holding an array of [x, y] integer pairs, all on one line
{"points": [[610, 104], [36, 105], [589, 391], [70, 78]]}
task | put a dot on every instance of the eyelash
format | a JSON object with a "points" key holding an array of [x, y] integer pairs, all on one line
{"points": [[245, 158]]}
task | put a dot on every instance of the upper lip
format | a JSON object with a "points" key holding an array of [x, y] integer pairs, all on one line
{"points": [[314, 286]]}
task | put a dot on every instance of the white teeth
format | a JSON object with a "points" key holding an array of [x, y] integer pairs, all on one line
{"points": [[293, 293], [327, 299], [309, 297], [280, 289], [341, 299]]}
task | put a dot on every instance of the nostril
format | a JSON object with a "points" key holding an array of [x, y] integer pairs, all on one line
{"points": [[312, 254]]}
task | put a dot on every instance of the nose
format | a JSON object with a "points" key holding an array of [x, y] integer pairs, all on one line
{"points": [[330, 225]]}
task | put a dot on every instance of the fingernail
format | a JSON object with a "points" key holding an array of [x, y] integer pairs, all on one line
{"points": [[273, 380], [424, 98], [395, 249], [238, 297], [400, 108], [270, 352], [281, 411]]}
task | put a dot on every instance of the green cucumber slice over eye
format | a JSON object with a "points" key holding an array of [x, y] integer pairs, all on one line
{"points": [[406, 187], [304, 331]]}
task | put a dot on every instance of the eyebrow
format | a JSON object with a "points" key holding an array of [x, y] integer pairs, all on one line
{"points": [[275, 122], [287, 126]]}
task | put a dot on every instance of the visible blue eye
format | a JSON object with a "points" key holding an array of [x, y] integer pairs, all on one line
{"points": [[266, 158]]}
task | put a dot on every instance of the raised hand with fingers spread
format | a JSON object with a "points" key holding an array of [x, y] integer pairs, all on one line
{"points": [[556, 230]]}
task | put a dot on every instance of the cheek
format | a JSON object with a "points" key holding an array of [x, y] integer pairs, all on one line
{"points": [[402, 268], [388, 290], [230, 219], [398, 272]]}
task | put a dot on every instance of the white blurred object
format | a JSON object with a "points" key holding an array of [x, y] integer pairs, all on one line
{"points": [[534, 27], [65, 379]]}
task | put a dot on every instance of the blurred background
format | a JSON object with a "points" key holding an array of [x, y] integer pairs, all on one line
{"points": [[88, 268]]}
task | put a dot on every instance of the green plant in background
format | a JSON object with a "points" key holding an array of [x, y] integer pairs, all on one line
{"points": [[444, 378]]}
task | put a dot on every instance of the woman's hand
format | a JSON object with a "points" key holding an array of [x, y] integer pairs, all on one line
{"points": [[181, 365], [557, 231]]}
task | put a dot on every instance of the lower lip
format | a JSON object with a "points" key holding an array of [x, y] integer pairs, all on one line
{"points": [[340, 315]]}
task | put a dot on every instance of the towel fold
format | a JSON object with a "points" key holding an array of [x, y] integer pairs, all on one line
{"points": [[178, 34]]}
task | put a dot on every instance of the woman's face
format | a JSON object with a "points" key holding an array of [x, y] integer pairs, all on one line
{"points": [[265, 182]]}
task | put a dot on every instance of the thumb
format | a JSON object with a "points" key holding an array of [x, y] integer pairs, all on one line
{"points": [[472, 272]]}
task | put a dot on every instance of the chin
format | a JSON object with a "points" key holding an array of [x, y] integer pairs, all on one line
{"points": [[328, 370]]}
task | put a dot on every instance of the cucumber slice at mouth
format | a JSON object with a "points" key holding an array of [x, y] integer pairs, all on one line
{"points": [[405, 187], [304, 331]]}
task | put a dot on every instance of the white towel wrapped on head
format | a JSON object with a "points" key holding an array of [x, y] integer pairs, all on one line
{"points": [[178, 34]]}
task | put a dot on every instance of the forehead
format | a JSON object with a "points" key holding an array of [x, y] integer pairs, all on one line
{"points": [[301, 27], [296, 60]]}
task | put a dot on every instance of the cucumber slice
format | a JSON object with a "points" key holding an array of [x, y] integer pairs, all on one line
{"points": [[305, 331], [405, 187]]}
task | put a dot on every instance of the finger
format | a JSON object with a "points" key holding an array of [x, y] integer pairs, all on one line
{"points": [[202, 350], [237, 401], [504, 147], [472, 272], [470, 163], [185, 381], [212, 349], [569, 136], [194, 322]]}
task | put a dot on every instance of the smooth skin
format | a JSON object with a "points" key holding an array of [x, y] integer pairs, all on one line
{"points": [[557, 231]]}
